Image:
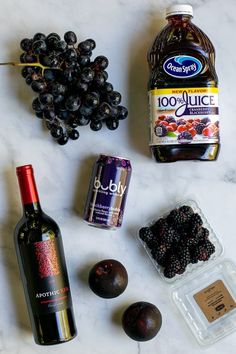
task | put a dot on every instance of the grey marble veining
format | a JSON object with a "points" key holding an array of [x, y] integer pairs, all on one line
{"points": [[123, 31]]}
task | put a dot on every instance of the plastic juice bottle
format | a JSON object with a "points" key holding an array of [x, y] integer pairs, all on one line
{"points": [[183, 91]]}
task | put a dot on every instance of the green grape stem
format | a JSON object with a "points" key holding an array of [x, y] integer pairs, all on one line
{"points": [[37, 64]]}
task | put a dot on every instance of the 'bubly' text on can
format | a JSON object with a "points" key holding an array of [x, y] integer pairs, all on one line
{"points": [[107, 192]]}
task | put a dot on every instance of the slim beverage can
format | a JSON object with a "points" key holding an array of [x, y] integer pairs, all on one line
{"points": [[107, 193]]}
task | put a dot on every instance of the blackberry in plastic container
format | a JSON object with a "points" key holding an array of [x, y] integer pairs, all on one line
{"points": [[145, 234], [178, 239], [196, 220]]}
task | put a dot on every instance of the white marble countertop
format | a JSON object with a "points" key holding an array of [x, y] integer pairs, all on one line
{"points": [[123, 31]]}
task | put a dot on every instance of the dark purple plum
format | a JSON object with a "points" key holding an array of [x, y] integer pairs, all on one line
{"points": [[141, 321], [108, 278]]}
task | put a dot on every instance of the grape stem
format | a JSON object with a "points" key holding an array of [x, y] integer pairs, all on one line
{"points": [[30, 64]]}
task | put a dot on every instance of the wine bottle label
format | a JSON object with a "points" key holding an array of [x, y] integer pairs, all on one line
{"points": [[184, 116], [46, 276]]}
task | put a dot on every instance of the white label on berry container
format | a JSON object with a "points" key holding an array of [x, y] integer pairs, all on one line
{"points": [[184, 116]]}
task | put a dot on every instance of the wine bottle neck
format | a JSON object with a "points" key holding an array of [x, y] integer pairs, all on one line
{"points": [[28, 190], [32, 209]]}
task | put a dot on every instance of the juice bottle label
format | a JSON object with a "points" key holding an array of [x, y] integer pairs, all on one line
{"points": [[184, 116]]}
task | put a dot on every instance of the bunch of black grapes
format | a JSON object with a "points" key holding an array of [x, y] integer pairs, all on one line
{"points": [[72, 88]]}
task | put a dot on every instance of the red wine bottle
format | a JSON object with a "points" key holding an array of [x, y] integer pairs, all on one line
{"points": [[43, 270]]}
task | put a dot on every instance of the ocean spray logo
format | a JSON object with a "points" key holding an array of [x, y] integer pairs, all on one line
{"points": [[182, 66], [112, 187]]}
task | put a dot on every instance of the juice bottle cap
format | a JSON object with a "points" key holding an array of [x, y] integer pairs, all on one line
{"points": [[179, 9]]}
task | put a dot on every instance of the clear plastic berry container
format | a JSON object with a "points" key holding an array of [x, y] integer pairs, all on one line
{"points": [[191, 268], [205, 294]]}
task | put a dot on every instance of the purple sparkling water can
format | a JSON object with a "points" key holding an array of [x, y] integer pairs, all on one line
{"points": [[107, 193]]}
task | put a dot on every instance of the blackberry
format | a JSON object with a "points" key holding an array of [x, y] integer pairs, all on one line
{"points": [[196, 220], [200, 253], [159, 254], [173, 267], [146, 234], [209, 247], [199, 128], [191, 241], [176, 218], [160, 130], [157, 225], [164, 232], [184, 257], [187, 210], [203, 234], [185, 137]]}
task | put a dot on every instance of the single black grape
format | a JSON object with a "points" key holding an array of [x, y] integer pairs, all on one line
{"points": [[72, 103], [72, 122], [52, 42], [49, 114], [39, 47], [27, 70], [112, 124], [29, 58], [95, 125], [85, 111], [56, 131], [114, 112], [85, 46], [81, 86], [84, 60], [63, 139], [68, 75], [87, 75], [70, 37], [38, 37], [54, 35], [38, 86], [92, 43], [114, 98], [107, 87], [122, 112], [49, 60], [46, 98], [92, 99], [63, 115], [49, 75], [26, 44], [57, 89], [100, 63], [70, 55], [99, 79], [82, 120], [103, 111], [74, 134], [58, 98], [61, 46], [37, 105]]}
